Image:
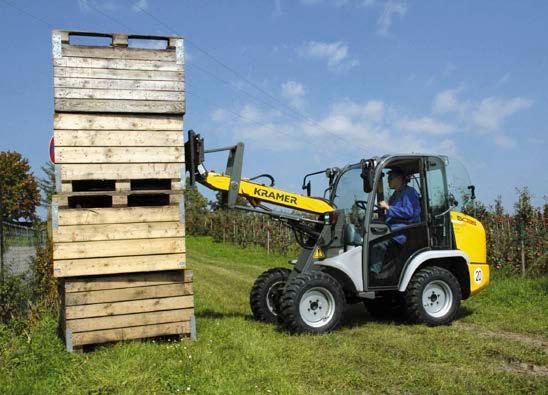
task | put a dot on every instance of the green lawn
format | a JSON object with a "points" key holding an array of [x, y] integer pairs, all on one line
{"points": [[498, 345]]}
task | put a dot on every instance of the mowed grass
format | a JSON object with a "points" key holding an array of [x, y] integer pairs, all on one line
{"points": [[498, 345]]}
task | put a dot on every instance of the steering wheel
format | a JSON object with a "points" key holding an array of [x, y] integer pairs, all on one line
{"points": [[361, 204]]}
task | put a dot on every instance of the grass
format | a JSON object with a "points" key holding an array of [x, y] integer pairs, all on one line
{"points": [[498, 346]]}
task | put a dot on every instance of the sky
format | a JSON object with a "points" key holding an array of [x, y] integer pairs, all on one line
{"points": [[311, 84]]}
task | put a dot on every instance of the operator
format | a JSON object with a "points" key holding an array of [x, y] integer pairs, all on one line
{"points": [[403, 208]]}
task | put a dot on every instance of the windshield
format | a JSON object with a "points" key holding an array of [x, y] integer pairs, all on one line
{"points": [[349, 189], [458, 182]]}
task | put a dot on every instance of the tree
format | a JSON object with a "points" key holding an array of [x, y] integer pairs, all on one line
{"points": [[47, 184], [524, 213], [195, 210], [19, 194]]}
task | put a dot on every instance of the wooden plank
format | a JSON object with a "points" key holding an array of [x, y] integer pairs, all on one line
{"points": [[119, 155], [117, 138], [119, 40], [113, 171], [118, 94], [151, 230], [129, 307], [123, 294], [111, 248], [86, 51], [135, 332], [98, 63], [97, 283], [120, 215], [94, 83], [128, 264], [108, 105], [149, 75], [117, 122], [129, 320]]}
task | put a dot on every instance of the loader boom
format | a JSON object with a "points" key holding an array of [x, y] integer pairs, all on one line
{"points": [[235, 186], [258, 194]]}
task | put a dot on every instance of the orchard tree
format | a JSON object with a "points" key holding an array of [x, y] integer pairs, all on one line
{"points": [[47, 184], [19, 194]]}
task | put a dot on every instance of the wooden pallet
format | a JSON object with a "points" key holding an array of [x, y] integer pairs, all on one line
{"points": [[100, 199], [102, 309], [109, 240], [136, 185], [118, 147], [118, 78]]}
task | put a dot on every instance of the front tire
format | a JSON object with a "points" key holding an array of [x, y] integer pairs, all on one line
{"points": [[312, 303], [264, 294], [433, 296]]}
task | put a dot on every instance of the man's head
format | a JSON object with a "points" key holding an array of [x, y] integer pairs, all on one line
{"points": [[396, 178]]}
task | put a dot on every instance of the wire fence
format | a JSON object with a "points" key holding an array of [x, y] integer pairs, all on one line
{"points": [[18, 246]]}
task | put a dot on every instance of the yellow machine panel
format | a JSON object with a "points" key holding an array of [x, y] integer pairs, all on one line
{"points": [[470, 238], [479, 277], [267, 194]]}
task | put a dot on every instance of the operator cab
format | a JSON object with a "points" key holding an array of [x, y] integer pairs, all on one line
{"points": [[391, 242]]}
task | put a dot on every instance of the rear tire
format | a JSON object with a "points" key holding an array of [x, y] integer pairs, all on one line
{"points": [[312, 303], [432, 297], [264, 294]]}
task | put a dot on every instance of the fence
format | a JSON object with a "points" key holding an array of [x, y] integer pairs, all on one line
{"points": [[516, 245], [18, 246]]}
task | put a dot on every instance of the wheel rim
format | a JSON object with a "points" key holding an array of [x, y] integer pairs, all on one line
{"points": [[270, 296], [317, 307], [437, 298]]}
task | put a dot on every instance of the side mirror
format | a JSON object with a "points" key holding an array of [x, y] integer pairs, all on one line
{"points": [[308, 188], [367, 175]]}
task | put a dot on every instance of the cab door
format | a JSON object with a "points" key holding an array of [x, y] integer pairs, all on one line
{"points": [[389, 248], [439, 221]]}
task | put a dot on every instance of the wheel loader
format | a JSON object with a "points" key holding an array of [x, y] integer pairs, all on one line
{"points": [[441, 261]]}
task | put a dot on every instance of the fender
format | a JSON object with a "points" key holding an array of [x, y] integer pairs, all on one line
{"points": [[350, 263], [418, 260]]}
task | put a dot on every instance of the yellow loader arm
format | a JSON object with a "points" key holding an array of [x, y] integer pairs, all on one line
{"points": [[258, 193]]}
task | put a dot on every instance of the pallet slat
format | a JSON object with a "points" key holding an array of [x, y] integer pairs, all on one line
{"points": [[118, 94], [129, 320], [121, 295], [94, 154], [122, 171], [119, 215], [128, 307], [107, 282], [136, 332], [115, 248], [117, 138], [144, 75], [123, 64], [64, 234], [116, 265], [86, 51], [95, 83], [117, 122], [106, 105]]}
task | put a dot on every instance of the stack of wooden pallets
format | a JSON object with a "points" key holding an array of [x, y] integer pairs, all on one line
{"points": [[118, 216]]}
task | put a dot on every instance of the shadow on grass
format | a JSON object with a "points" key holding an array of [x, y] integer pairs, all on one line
{"points": [[354, 315], [218, 315], [463, 312], [357, 315]]}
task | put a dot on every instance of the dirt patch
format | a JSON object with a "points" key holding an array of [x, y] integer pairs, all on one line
{"points": [[537, 341], [526, 368]]}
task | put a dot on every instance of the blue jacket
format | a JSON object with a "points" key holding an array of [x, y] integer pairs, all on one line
{"points": [[404, 209]]}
